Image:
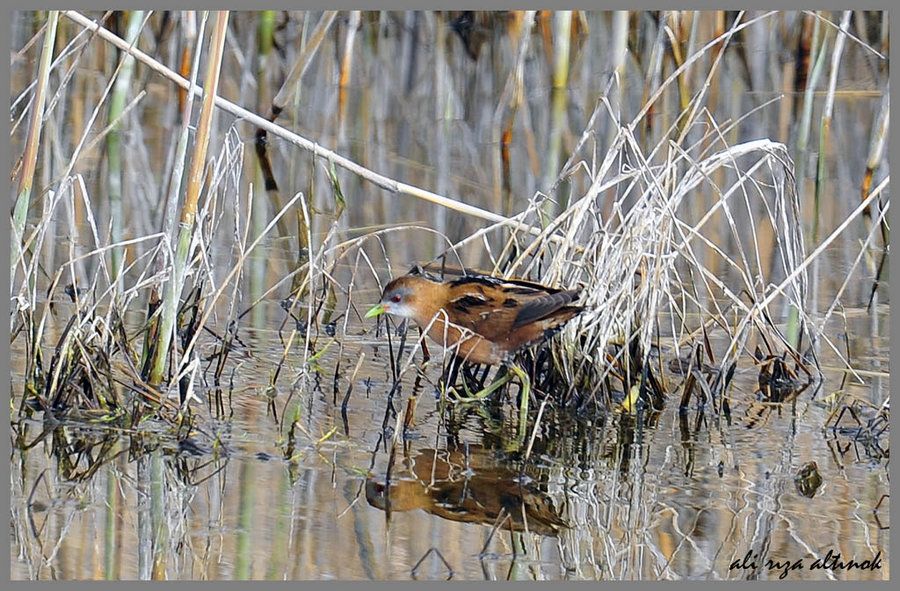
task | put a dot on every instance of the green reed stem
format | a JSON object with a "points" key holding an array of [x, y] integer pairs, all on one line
{"points": [[29, 157], [192, 197], [114, 143]]}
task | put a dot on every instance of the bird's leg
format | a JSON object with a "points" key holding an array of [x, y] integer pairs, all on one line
{"points": [[469, 374], [525, 395], [481, 394], [484, 375], [451, 373], [499, 383], [471, 380], [426, 356]]}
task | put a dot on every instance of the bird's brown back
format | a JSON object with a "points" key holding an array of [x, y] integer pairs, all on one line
{"points": [[511, 315]]}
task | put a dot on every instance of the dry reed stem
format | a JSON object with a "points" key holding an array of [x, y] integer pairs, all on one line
{"points": [[29, 157], [302, 63], [346, 66], [192, 198]]}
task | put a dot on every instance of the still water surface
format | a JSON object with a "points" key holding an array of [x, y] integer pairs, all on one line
{"points": [[611, 496]]}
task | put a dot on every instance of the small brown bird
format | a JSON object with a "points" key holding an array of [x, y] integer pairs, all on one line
{"points": [[485, 319]]}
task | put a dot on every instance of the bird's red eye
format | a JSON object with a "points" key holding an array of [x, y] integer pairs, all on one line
{"points": [[396, 299]]}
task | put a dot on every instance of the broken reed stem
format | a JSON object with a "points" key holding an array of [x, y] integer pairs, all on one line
{"points": [[114, 141], [29, 157], [816, 61], [192, 196], [346, 67], [825, 127], [303, 61], [507, 106], [291, 87], [562, 22], [876, 149], [442, 116], [619, 53], [259, 211]]}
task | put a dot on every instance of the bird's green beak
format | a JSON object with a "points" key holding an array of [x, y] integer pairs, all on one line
{"points": [[376, 311]]}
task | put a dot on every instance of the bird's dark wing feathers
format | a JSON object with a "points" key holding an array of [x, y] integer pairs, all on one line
{"points": [[512, 286], [538, 308], [468, 301], [476, 279]]}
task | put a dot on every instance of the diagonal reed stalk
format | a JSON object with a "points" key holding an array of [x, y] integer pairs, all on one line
{"points": [[375, 178], [175, 283]]}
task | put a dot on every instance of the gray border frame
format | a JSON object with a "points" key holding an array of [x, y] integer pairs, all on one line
{"points": [[11, 5]]}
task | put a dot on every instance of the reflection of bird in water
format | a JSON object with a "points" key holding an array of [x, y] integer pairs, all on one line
{"points": [[469, 486]]}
